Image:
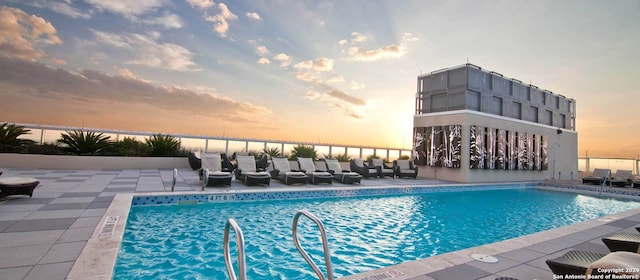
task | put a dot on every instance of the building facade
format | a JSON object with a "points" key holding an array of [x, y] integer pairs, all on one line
{"points": [[474, 125]]}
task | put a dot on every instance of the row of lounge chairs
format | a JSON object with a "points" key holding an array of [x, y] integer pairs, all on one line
{"points": [[622, 178], [624, 259], [217, 169]]}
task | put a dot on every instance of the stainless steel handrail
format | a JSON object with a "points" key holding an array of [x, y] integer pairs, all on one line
{"points": [[325, 245], [205, 178], [242, 263], [175, 178]]}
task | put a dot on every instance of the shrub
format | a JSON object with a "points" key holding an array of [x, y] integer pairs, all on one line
{"points": [[303, 151], [163, 145], [339, 157], [131, 147], [85, 143], [46, 149], [404, 157]]}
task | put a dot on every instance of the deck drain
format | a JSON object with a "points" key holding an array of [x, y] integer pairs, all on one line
{"points": [[109, 226], [484, 258]]}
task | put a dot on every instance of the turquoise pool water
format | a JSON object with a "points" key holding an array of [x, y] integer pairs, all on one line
{"points": [[185, 241]]}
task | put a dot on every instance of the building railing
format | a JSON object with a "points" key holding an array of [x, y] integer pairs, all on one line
{"points": [[587, 164], [50, 133]]}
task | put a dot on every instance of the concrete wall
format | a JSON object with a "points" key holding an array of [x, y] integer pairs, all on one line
{"points": [[89, 162], [562, 149]]}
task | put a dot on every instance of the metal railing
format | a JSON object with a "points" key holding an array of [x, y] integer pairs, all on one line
{"points": [[50, 133], [242, 263], [325, 245]]}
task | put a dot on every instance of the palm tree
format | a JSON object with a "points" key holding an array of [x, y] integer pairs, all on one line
{"points": [[163, 145], [304, 152], [9, 134], [271, 152], [85, 143]]}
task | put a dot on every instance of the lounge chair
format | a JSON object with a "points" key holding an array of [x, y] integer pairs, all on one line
{"points": [[247, 172], [385, 170], [635, 181], [622, 178], [282, 172], [194, 160], [598, 177], [579, 262], [213, 172], [358, 166], [314, 176], [405, 168], [623, 241], [342, 176]]}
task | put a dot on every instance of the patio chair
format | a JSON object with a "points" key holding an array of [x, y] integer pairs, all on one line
{"points": [[622, 178], [358, 166], [385, 170], [213, 172], [635, 181], [623, 241], [282, 172], [405, 168], [580, 262], [598, 177], [314, 176], [247, 173], [342, 176]]}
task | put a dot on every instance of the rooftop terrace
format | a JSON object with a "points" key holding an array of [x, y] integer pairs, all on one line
{"points": [[42, 237]]}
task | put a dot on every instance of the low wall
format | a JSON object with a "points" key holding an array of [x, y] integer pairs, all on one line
{"points": [[90, 162]]}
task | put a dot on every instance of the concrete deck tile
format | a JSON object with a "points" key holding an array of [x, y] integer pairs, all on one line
{"points": [[623, 223], [22, 200], [527, 272], [62, 252], [86, 222], [51, 271], [93, 213], [55, 214], [20, 208], [14, 216], [6, 224], [521, 255], [458, 272], [502, 264], [37, 225], [422, 277], [14, 273], [80, 194], [64, 206], [14, 239], [77, 234], [23, 255], [99, 205], [73, 200]]}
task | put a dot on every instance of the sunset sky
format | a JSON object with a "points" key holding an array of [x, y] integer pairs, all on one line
{"points": [[321, 71]]}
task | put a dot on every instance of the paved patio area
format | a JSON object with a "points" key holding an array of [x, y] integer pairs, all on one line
{"points": [[41, 237]]}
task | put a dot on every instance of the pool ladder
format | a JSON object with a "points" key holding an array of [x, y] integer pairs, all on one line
{"points": [[242, 275]]}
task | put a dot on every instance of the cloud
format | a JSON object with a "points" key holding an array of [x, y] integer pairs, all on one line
{"points": [[126, 8], [321, 64], [408, 37], [220, 21], [390, 51], [342, 42], [336, 79], [20, 34], [147, 51], [343, 96], [253, 16], [284, 60], [264, 60], [37, 81], [62, 8], [262, 50], [355, 85], [167, 20], [202, 4], [143, 11], [307, 77], [357, 38]]}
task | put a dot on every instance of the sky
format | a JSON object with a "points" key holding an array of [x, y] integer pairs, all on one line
{"points": [[342, 72]]}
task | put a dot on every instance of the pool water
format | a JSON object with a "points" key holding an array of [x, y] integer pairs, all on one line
{"points": [[185, 241]]}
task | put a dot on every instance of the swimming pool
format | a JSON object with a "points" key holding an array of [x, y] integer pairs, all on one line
{"points": [[185, 241]]}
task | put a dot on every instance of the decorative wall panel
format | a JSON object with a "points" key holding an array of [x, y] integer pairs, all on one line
{"points": [[452, 146], [419, 146], [501, 150]]}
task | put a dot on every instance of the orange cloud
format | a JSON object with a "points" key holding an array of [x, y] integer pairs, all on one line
{"points": [[20, 33]]}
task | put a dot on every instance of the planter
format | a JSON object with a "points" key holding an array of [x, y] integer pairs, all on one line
{"points": [[90, 162]]}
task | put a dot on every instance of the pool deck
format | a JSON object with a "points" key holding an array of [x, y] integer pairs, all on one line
{"points": [[43, 236]]}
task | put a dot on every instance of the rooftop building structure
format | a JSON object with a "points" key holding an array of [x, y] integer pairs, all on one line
{"points": [[474, 125]]}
